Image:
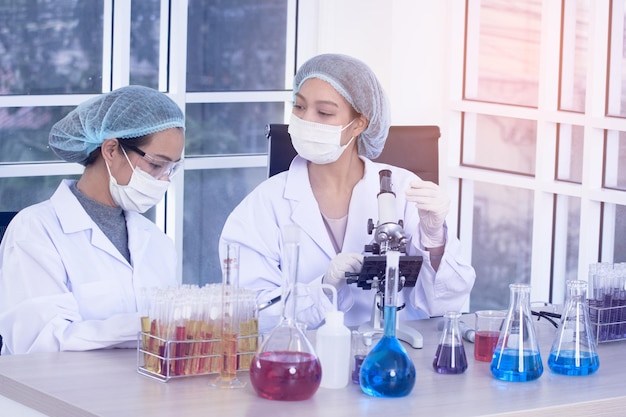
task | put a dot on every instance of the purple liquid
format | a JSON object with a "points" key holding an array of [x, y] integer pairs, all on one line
{"points": [[450, 360], [285, 375]]}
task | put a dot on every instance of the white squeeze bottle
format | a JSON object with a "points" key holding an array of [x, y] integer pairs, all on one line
{"points": [[332, 345]]}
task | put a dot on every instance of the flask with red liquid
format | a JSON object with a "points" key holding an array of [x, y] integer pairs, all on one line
{"points": [[286, 368]]}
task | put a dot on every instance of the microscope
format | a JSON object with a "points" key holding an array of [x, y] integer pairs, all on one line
{"points": [[388, 235]]}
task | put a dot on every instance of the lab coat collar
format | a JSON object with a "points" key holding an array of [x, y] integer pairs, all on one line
{"points": [[73, 218], [306, 214]]}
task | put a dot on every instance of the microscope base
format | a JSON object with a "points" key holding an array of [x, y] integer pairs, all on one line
{"points": [[403, 332]]}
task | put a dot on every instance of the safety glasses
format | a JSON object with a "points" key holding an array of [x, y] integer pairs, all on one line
{"points": [[157, 167]]}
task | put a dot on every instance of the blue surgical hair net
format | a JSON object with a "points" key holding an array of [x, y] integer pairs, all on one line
{"points": [[358, 84], [125, 113]]}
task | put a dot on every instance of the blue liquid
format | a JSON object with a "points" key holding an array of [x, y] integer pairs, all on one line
{"points": [[507, 365], [565, 363], [450, 360], [387, 370]]}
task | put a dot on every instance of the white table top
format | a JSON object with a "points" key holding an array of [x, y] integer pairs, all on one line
{"points": [[106, 383]]}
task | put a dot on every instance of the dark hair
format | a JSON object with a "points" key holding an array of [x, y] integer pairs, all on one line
{"points": [[141, 140]]}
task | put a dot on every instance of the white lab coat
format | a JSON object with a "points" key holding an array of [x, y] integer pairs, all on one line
{"points": [[257, 222], [64, 285]]}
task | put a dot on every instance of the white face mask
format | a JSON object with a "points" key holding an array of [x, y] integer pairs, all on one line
{"points": [[142, 192], [317, 142]]}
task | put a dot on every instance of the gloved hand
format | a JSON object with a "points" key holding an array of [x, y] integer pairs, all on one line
{"points": [[339, 265], [432, 206]]}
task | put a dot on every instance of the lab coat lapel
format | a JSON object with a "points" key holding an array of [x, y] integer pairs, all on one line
{"points": [[74, 218], [363, 206], [138, 237], [305, 212]]}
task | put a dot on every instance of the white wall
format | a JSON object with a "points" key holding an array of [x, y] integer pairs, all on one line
{"points": [[403, 41]]}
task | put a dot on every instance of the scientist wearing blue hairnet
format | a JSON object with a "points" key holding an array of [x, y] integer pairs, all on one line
{"points": [[339, 123], [73, 269]]}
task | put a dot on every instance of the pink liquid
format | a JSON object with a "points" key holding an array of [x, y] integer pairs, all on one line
{"points": [[484, 345], [285, 375]]}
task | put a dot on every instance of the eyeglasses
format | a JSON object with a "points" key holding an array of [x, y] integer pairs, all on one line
{"points": [[157, 167]]}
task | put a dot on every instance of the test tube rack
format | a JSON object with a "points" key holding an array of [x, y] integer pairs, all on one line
{"points": [[164, 359], [607, 323]]}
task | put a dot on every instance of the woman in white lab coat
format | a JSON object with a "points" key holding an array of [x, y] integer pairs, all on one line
{"points": [[339, 122], [73, 268]]}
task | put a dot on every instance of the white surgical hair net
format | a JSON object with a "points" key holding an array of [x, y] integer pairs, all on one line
{"points": [[128, 112], [358, 84]]}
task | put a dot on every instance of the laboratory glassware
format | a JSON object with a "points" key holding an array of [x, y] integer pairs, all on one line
{"points": [[450, 357], [229, 334], [387, 370], [286, 368], [516, 356], [487, 326], [574, 350]]}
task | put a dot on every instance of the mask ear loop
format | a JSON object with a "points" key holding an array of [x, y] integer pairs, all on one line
{"points": [[126, 155]]}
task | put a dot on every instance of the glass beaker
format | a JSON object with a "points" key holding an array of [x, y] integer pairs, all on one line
{"points": [[285, 367], [516, 356], [450, 357], [574, 351], [387, 370]]}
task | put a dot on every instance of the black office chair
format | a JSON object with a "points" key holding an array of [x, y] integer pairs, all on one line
{"points": [[5, 219], [415, 148]]}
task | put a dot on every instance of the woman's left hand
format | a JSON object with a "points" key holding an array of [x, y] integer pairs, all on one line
{"points": [[432, 206]]}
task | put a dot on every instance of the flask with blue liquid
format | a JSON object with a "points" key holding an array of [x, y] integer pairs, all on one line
{"points": [[516, 356], [573, 350], [387, 370]]}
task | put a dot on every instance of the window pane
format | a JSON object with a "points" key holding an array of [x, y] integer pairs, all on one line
{"points": [[570, 153], [613, 232], [566, 238], [503, 62], [24, 132], [574, 54], [229, 128], [144, 42], [617, 61], [619, 252], [210, 196], [615, 160], [49, 48], [13, 197], [499, 143], [236, 45], [501, 243]]}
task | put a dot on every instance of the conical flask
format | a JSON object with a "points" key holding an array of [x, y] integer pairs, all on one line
{"points": [[516, 356], [387, 370], [450, 357], [285, 367], [574, 351]]}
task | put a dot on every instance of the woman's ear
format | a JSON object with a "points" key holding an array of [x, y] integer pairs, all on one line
{"points": [[360, 124], [108, 149]]}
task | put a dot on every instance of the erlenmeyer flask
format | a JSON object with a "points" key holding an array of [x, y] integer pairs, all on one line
{"points": [[286, 367], [574, 351], [387, 370], [450, 357], [517, 357]]}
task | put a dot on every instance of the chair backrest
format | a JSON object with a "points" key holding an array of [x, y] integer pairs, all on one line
{"points": [[415, 148], [5, 219]]}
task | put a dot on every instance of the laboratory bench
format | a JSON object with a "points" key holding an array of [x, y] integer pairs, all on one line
{"points": [[106, 383]]}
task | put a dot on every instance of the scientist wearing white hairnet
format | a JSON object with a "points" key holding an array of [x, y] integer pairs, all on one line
{"points": [[73, 268], [340, 122]]}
